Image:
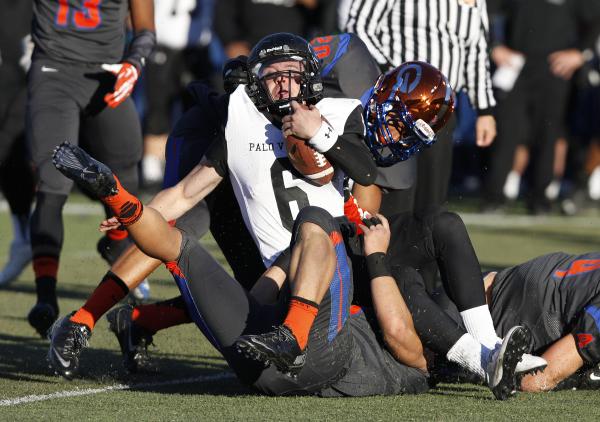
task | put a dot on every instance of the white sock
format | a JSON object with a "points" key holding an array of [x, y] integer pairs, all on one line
{"points": [[478, 322], [470, 354]]}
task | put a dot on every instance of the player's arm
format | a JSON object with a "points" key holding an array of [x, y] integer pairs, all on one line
{"points": [[346, 151], [144, 39], [369, 197], [350, 153], [563, 360], [173, 202], [392, 314], [267, 288]]}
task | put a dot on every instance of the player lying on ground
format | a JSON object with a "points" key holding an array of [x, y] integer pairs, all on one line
{"points": [[342, 349], [344, 357], [557, 296], [385, 318]]}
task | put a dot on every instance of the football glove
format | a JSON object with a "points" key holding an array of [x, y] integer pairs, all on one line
{"points": [[127, 76]]}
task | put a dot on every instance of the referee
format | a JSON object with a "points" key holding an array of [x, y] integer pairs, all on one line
{"points": [[450, 35]]}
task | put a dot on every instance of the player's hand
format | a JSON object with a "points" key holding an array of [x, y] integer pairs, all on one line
{"points": [[304, 122], [564, 63], [109, 224], [503, 56], [127, 76], [485, 131], [376, 235]]}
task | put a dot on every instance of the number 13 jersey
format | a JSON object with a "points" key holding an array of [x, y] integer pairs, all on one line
{"points": [[269, 191], [86, 31]]}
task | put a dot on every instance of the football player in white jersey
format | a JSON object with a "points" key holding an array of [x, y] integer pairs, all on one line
{"points": [[250, 150]]}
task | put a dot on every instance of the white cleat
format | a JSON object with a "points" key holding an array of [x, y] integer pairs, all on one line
{"points": [[500, 370], [530, 364]]}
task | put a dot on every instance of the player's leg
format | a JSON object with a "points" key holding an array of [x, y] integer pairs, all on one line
{"points": [[52, 117], [513, 126], [15, 165], [113, 135], [318, 262], [438, 332], [130, 269]]}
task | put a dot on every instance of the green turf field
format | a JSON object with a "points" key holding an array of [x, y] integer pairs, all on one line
{"points": [[194, 382]]}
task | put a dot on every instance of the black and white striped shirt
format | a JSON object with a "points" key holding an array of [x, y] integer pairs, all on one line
{"points": [[449, 34]]}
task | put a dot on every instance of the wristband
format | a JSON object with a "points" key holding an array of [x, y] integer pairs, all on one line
{"points": [[324, 138], [377, 265], [140, 48]]}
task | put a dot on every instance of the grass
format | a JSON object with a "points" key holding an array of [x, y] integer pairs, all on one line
{"points": [[213, 393]]}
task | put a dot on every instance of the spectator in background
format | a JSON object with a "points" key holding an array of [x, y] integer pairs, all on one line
{"points": [[16, 174], [242, 23], [450, 35], [180, 56], [551, 40]]}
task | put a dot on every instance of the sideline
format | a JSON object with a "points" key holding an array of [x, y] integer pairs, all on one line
{"points": [[110, 388]]}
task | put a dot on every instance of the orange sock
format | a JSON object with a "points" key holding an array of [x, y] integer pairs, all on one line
{"points": [[125, 206], [161, 315], [117, 234], [108, 293], [300, 317]]}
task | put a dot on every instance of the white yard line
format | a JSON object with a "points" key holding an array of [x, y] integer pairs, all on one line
{"points": [[107, 389], [487, 220]]}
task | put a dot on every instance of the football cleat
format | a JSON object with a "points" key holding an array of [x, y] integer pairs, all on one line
{"points": [[110, 250], [42, 316], [279, 347], [500, 370], [67, 341], [77, 165], [530, 364], [133, 340]]}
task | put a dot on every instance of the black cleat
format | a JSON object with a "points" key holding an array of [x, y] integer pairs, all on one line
{"points": [[67, 341], [133, 340], [42, 316], [110, 250], [77, 165], [279, 347], [501, 368]]}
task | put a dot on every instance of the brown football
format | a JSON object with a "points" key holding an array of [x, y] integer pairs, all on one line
{"points": [[308, 161]]}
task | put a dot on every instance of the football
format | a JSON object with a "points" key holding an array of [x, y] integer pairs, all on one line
{"points": [[308, 161]]}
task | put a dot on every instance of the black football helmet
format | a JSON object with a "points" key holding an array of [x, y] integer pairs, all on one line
{"points": [[279, 47]]}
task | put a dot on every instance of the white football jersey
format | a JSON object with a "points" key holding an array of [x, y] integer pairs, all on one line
{"points": [[269, 195]]}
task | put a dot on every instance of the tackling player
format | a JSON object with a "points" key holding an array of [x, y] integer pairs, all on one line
{"points": [[344, 358], [79, 83], [557, 296], [128, 333]]}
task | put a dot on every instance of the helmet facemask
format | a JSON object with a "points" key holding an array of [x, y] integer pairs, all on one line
{"points": [[393, 134], [304, 71], [292, 80]]}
